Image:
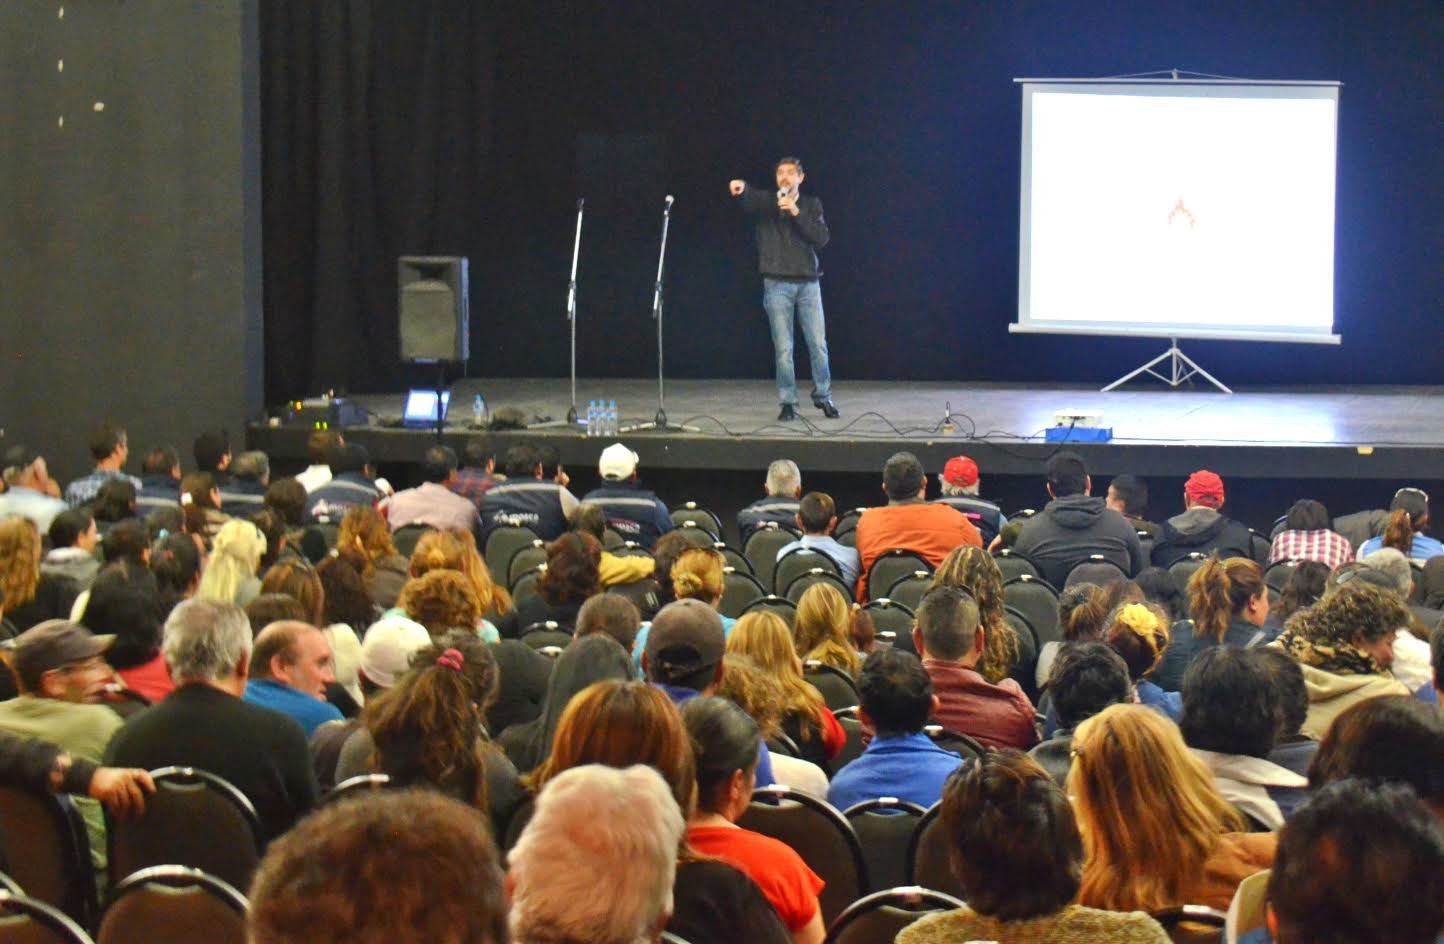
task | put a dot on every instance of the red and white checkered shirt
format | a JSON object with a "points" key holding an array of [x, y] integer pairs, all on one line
{"points": [[1324, 546]]}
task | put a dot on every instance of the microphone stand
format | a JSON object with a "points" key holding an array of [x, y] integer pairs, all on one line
{"points": [[572, 419], [660, 421]]}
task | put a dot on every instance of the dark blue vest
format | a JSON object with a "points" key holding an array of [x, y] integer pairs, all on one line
{"points": [[524, 503], [634, 513]]}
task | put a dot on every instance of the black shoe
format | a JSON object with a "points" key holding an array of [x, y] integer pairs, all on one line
{"points": [[787, 414], [828, 408]]}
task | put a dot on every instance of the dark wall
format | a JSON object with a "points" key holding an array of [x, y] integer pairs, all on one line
{"points": [[908, 120], [129, 233]]}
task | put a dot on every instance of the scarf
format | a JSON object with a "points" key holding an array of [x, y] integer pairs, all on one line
{"points": [[1340, 658]]}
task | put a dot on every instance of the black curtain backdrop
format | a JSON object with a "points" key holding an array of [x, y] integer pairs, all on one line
{"points": [[452, 127]]}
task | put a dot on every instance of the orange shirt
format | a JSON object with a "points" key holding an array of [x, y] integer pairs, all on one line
{"points": [[929, 529]]}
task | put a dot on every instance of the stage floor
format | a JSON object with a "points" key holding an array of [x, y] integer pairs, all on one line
{"points": [[1315, 432]]}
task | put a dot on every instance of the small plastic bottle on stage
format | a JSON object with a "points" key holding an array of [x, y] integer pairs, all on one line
{"points": [[592, 415], [612, 424], [478, 412]]}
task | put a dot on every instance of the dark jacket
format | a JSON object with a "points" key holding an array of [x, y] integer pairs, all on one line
{"points": [[261, 752], [242, 498], [331, 501], [634, 512], [588, 660], [524, 503], [985, 516], [157, 490], [1185, 645], [786, 245], [1202, 530], [1069, 530], [778, 508], [1055, 755]]}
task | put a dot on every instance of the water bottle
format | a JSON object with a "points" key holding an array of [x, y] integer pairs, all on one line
{"points": [[591, 417], [478, 412], [612, 424]]}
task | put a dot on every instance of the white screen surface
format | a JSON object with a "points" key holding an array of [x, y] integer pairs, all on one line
{"points": [[1178, 210]]}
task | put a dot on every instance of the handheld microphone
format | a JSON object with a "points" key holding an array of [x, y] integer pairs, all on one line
{"points": [[782, 194], [669, 201]]}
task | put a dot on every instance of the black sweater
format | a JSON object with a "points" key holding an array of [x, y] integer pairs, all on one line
{"points": [[786, 245]]}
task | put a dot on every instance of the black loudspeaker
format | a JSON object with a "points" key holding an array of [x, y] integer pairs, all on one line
{"points": [[433, 307]]}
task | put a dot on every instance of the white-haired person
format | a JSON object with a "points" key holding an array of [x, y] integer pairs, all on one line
{"points": [[782, 492], [620, 824], [230, 574]]}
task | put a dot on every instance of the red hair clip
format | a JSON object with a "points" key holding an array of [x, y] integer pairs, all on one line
{"points": [[452, 659]]}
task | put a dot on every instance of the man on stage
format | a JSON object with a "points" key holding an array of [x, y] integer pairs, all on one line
{"points": [[790, 230]]}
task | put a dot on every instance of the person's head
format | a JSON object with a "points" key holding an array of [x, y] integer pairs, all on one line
{"points": [[441, 600], [1086, 678], [343, 594], [1355, 614], [19, 560], [252, 466], [600, 821], [428, 725], [755, 690], [973, 570], [725, 747], [573, 569], [127, 540], [274, 528], [1128, 495], [764, 639], [212, 450], [619, 724], [551, 462], [1142, 797], [697, 574], [287, 497], [74, 527], [610, 614], [295, 654], [1358, 863], [903, 478], [1395, 565], [665, 552], [948, 627], [235, 555], [784, 479], [456, 550], [589, 518], [364, 531], [1290, 690], [1068, 475], [124, 603], [822, 626], [268, 608], [1303, 588], [114, 500], [789, 173], [1204, 489], [208, 641], [522, 462], [350, 459], [387, 650], [1408, 513], [198, 490], [960, 476], [1393, 738], [1307, 515], [816, 513], [61, 660], [162, 460], [1230, 704], [895, 692], [685, 646], [1221, 591], [617, 463], [364, 871], [303, 584], [438, 464], [176, 564], [108, 445], [1139, 633], [319, 445], [1013, 840], [163, 520], [1158, 587], [479, 453]]}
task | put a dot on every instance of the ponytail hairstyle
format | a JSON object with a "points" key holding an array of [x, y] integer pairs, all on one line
{"points": [[176, 564], [430, 727], [1084, 609], [1408, 513], [697, 574], [973, 570], [1220, 590], [456, 550], [1139, 633]]}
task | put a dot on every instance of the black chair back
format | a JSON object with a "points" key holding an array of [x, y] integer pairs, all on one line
{"points": [[928, 855], [517, 823], [525, 585], [890, 616], [965, 746], [880, 917], [820, 835], [845, 533], [172, 904], [359, 785], [804, 582], [691, 511], [1036, 599], [1183, 569], [27, 920], [47, 850], [542, 635], [1192, 924], [733, 557], [762, 547], [1012, 565], [799, 561], [1277, 576], [890, 567], [836, 687], [194, 818], [1096, 569], [696, 533], [501, 544], [910, 589], [782, 606], [406, 538], [853, 746], [739, 588], [884, 826], [1259, 547], [525, 559], [1025, 670]]}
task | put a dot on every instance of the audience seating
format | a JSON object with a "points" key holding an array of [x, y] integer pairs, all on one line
{"points": [[772, 603], [853, 746], [544, 634], [803, 582], [1014, 565], [1025, 669], [845, 533], [738, 590], [1038, 601], [405, 538], [1276, 577], [502, 543], [881, 916], [928, 852], [820, 835], [836, 687], [47, 851], [1259, 546], [9, 884], [611, 540], [328, 531], [525, 559], [762, 547], [957, 742], [27, 920], [889, 567], [799, 561], [1095, 570], [1183, 569], [1192, 924], [732, 557], [697, 533], [642, 593], [194, 818], [782, 743], [691, 511], [358, 785], [884, 826], [910, 589], [172, 904], [525, 585], [890, 616]]}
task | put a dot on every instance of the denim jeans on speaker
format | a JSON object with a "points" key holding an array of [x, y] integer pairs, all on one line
{"points": [[782, 300]]}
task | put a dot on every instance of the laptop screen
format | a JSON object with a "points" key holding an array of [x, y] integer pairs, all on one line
{"points": [[421, 406]]}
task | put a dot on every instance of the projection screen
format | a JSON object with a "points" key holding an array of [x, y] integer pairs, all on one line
{"points": [[1178, 208]]}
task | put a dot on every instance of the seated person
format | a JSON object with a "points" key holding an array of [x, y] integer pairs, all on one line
{"points": [[779, 503], [432, 503], [1018, 854], [525, 499], [352, 485], [290, 669], [636, 513], [817, 517], [960, 485], [1202, 528], [1074, 526], [1087, 677], [908, 522], [245, 493]]}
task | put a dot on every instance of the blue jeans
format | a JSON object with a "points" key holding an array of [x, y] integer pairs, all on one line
{"points": [[781, 299]]}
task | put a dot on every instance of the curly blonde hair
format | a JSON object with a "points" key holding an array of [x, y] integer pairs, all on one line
{"points": [[19, 561], [364, 530], [973, 570], [823, 628], [456, 550], [441, 600]]}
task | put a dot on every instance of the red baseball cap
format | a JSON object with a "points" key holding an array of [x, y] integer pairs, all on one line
{"points": [[961, 471], [1204, 488]]}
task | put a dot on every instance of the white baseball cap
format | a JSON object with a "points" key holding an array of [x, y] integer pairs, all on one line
{"points": [[617, 462], [388, 647]]}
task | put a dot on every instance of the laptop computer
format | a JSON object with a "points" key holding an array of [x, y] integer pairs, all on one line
{"points": [[421, 407]]}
